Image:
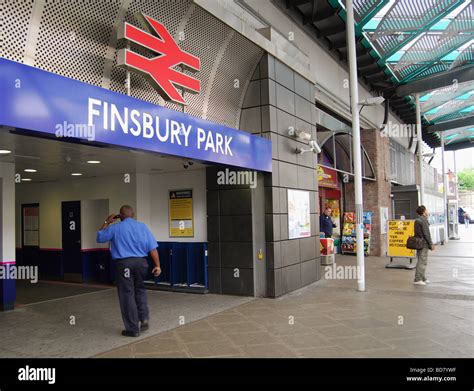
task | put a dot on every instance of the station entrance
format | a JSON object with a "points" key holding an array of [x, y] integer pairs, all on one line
{"points": [[63, 191]]}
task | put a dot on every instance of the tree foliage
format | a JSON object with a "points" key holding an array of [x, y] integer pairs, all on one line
{"points": [[466, 179]]}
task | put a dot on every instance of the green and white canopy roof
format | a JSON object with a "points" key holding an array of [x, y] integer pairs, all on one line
{"points": [[417, 39], [405, 47]]}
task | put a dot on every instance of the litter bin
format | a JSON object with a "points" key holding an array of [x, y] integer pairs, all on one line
{"points": [[327, 251]]}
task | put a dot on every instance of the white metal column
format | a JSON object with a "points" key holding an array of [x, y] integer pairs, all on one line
{"points": [[356, 144], [420, 149], [445, 189]]}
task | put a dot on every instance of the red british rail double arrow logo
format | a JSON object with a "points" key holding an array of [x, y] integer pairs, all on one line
{"points": [[159, 70]]}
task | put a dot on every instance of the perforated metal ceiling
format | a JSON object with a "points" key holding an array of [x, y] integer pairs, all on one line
{"points": [[77, 39], [16, 17]]}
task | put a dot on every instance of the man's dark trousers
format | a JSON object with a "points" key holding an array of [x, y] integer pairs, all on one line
{"points": [[130, 273]]}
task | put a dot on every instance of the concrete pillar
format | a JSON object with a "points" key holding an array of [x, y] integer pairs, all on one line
{"points": [[7, 233], [377, 194], [279, 99]]}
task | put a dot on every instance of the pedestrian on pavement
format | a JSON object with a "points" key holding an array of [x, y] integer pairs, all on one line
{"points": [[325, 222], [466, 219], [422, 230], [130, 242]]}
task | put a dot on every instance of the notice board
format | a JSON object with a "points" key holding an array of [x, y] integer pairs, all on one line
{"points": [[181, 213], [398, 233]]}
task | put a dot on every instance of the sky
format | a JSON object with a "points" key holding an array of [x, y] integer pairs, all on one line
{"points": [[464, 159]]}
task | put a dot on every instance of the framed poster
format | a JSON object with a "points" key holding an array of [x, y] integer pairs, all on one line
{"points": [[181, 222], [299, 222]]}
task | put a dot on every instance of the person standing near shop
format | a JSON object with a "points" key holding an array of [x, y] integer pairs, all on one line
{"points": [[422, 231], [325, 222], [130, 242]]}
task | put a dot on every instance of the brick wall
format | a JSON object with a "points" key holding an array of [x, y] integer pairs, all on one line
{"points": [[376, 193]]}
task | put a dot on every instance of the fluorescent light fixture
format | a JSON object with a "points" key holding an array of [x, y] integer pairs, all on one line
{"points": [[76, 174], [5, 151], [94, 161], [30, 170], [26, 179]]}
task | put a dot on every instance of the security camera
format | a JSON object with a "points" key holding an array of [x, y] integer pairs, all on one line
{"points": [[298, 133], [313, 147], [187, 164], [373, 101]]}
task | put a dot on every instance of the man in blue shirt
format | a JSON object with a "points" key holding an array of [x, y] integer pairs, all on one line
{"points": [[130, 242], [325, 222]]}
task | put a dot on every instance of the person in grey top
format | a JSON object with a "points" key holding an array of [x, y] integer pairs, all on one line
{"points": [[422, 230]]}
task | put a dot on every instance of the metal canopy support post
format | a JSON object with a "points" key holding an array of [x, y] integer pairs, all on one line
{"points": [[456, 200], [420, 149], [356, 144], [445, 189]]}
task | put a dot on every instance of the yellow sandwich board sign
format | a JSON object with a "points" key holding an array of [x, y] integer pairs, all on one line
{"points": [[181, 213], [398, 233]]}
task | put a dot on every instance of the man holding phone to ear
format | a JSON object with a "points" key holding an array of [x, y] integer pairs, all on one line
{"points": [[130, 242]]}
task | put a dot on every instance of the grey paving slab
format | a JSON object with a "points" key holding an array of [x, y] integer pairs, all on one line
{"points": [[329, 319]]}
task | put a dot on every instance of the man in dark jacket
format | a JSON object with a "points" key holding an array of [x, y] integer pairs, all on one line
{"points": [[325, 223], [422, 230]]}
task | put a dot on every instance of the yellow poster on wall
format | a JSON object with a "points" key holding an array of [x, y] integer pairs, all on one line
{"points": [[398, 233], [181, 213]]}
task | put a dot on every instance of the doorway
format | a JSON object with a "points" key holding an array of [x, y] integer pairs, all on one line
{"points": [[71, 240]]}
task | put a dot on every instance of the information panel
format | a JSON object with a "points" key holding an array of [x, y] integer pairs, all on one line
{"points": [[181, 213], [398, 233], [299, 222]]}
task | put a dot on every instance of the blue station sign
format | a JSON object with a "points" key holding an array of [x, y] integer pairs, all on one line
{"points": [[39, 101]]}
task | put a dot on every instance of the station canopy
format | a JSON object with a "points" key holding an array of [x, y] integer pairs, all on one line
{"points": [[406, 47]]}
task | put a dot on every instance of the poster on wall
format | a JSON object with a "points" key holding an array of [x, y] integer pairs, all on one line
{"points": [[181, 213], [299, 223], [398, 233]]}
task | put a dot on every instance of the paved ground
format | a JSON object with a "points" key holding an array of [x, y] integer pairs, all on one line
{"points": [[28, 293], [393, 318], [47, 329]]}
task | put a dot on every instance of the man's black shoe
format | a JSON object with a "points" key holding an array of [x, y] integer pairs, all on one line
{"points": [[128, 333], [144, 325]]}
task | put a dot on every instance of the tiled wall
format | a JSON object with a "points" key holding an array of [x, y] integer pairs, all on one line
{"points": [[278, 98], [230, 237]]}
